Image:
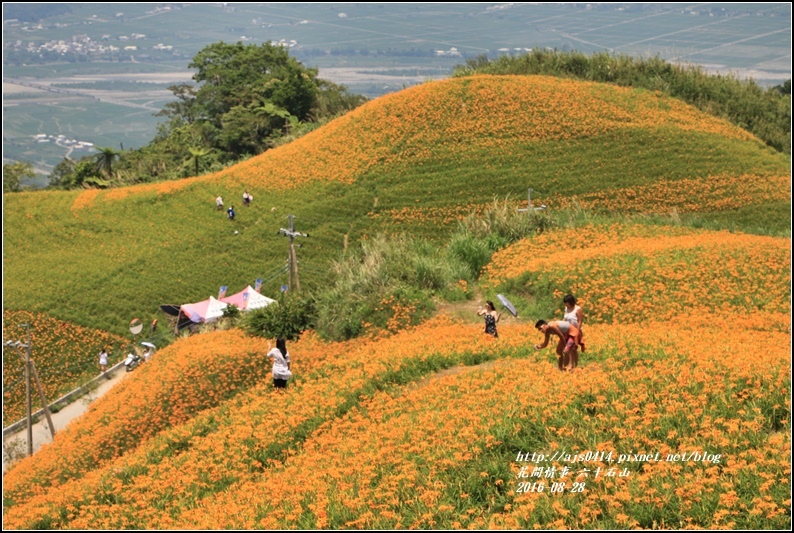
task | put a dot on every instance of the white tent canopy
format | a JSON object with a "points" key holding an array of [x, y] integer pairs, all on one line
{"points": [[248, 299]]}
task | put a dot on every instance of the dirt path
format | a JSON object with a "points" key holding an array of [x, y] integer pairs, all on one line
{"points": [[457, 370], [16, 443], [467, 311]]}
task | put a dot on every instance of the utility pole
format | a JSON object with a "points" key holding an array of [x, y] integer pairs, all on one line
{"points": [[293, 259], [26, 359], [30, 368], [27, 391]]}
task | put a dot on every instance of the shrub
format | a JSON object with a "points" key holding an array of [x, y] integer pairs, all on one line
{"points": [[286, 319], [389, 283]]}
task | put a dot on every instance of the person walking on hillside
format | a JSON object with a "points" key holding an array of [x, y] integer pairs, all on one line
{"points": [[247, 198], [574, 316], [567, 355], [491, 317], [281, 364], [219, 203], [230, 213], [103, 360]]}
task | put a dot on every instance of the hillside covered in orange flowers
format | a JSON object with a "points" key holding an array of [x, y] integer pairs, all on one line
{"points": [[672, 228], [370, 435]]}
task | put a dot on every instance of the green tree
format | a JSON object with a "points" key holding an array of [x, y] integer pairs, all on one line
{"points": [[185, 109], [15, 173], [784, 89], [247, 99], [61, 173], [333, 100], [197, 154], [239, 75], [105, 159], [246, 129], [249, 95]]}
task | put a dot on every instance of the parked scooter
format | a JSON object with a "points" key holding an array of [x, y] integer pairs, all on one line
{"points": [[132, 361]]}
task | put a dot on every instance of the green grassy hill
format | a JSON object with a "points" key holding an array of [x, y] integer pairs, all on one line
{"points": [[411, 161]]}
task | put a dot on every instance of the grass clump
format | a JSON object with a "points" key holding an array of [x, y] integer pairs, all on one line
{"points": [[478, 236], [388, 284]]}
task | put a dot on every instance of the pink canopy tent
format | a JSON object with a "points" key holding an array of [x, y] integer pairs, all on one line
{"points": [[248, 299], [201, 312]]}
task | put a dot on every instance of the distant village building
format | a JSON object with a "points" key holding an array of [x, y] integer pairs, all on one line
{"points": [[452, 52]]}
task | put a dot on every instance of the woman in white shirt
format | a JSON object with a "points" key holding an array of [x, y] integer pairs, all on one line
{"points": [[574, 316], [103, 360], [280, 356]]}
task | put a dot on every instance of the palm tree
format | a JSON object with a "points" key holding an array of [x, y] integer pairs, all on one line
{"points": [[197, 154], [105, 158]]}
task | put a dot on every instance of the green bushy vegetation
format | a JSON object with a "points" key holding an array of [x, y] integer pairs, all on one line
{"points": [[287, 319], [479, 235], [246, 100], [392, 282], [14, 174], [388, 284], [765, 113]]}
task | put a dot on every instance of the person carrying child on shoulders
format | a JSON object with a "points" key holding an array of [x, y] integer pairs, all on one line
{"points": [[567, 354], [574, 316]]}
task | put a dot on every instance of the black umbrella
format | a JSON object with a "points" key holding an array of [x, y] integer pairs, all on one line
{"points": [[172, 310], [505, 302]]}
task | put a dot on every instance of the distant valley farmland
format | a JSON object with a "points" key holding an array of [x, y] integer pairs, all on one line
{"points": [[97, 73]]}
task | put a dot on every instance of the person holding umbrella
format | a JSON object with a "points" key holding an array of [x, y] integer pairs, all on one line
{"points": [[491, 317], [149, 350]]}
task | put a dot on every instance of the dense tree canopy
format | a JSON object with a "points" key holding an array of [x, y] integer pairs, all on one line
{"points": [[246, 99], [248, 95], [241, 75]]}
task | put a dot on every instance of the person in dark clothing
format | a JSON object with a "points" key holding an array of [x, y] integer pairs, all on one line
{"points": [[491, 317]]}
